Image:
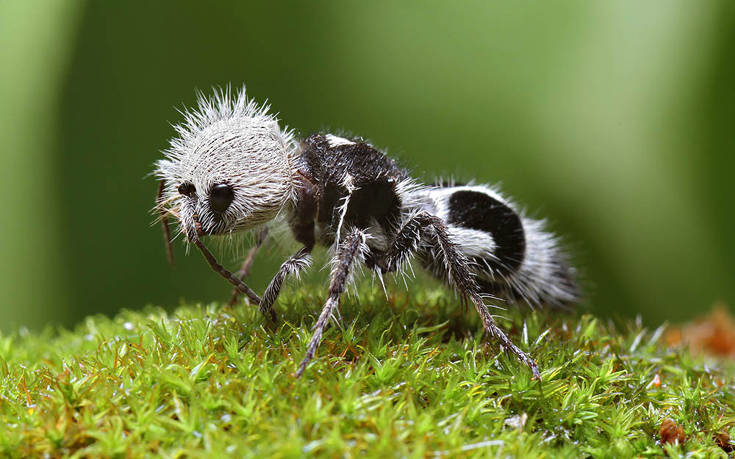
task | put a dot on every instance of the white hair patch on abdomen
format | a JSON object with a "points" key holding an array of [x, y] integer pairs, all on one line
{"points": [[335, 141]]}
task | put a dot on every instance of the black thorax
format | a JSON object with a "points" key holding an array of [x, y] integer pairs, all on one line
{"points": [[332, 173]]}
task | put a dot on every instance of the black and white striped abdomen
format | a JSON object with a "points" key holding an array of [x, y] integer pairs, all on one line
{"points": [[513, 256]]}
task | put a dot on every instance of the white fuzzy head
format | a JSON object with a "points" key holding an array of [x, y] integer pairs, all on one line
{"points": [[230, 167]]}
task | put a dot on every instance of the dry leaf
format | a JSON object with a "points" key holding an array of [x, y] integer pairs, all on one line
{"points": [[713, 334], [671, 432], [723, 441]]}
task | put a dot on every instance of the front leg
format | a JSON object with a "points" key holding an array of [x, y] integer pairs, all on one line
{"points": [[222, 271], [425, 226], [351, 249], [248, 263], [298, 261]]}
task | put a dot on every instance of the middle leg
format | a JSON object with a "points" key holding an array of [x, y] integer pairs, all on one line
{"points": [[351, 249], [297, 262]]}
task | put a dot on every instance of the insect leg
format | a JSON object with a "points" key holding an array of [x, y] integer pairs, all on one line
{"points": [[248, 263], [164, 221], [222, 271], [424, 226], [351, 249], [297, 262]]}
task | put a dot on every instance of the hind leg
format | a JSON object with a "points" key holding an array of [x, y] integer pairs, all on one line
{"points": [[431, 229]]}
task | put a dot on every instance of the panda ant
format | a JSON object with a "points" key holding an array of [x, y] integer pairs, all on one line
{"points": [[232, 168]]}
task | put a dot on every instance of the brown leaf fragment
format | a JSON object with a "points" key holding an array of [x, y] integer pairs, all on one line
{"points": [[723, 441], [713, 334], [671, 432]]}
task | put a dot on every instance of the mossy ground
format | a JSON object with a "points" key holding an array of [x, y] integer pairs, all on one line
{"points": [[411, 376]]}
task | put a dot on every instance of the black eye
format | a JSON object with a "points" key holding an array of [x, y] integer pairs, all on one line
{"points": [[220, 197], [187, 189]]}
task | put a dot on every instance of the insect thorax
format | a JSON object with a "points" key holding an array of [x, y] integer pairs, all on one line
{"points": [[346, 184]]}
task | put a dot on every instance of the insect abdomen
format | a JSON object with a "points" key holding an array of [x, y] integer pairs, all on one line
{"points": [[479, 211], [513, 257]]}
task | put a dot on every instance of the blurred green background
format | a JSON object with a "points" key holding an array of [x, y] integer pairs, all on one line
{"points": [[612, 119]]}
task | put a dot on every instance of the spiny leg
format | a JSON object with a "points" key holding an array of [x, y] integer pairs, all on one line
{"points": [[163, 213], [248, 263], [222, 271], [298, 261], [458, 274], [351, 249]]}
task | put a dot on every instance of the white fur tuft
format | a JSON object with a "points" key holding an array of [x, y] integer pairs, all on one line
{"points": [[335, 141]]}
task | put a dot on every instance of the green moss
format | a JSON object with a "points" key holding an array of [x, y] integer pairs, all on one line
{"points": [[409, 377]]}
